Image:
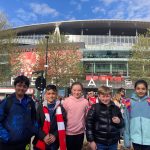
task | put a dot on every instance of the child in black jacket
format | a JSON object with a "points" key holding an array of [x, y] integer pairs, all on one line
{"points": [[103, 122]]}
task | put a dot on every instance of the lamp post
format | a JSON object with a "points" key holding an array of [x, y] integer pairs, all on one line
{"points": [[46, 56]]}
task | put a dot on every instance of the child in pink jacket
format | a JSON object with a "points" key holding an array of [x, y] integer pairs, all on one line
{"points": [[76, 108]]}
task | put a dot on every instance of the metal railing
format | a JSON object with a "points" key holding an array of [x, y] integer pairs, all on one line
{"points": [[87, 39]]}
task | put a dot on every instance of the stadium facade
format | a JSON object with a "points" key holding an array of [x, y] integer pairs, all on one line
{"points": [[107, 45]]}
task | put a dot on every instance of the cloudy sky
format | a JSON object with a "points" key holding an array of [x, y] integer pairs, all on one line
{"points": [[25, 12]]}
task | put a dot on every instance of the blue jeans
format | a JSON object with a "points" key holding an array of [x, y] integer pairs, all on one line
{"points": [[106, 147]]}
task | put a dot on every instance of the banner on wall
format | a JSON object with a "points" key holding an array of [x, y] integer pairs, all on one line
{"points": [[105, 78]]}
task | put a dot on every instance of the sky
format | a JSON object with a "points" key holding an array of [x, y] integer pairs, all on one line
{"points": [[27, 12]]}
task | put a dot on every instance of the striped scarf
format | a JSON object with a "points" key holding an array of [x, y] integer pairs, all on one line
{"points": [[46, 128]]}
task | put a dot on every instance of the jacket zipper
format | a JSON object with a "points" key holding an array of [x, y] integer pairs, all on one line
{"points": [[108, 123], [141, 127]]}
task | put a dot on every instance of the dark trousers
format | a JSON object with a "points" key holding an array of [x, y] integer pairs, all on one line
{"points": [[75, 142], [52, 146], [141, 147], [18, 146]]}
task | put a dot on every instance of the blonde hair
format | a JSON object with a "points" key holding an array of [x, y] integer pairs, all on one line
{"points": [[104, 90], [116, 97]]}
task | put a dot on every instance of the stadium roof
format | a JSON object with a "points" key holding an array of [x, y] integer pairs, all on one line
{"points": [[82, 24]]}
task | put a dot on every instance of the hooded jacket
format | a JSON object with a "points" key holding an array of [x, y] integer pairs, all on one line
{"points": [[137, 121]]}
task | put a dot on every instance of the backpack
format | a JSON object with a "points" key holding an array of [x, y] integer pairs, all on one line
{"points": [[9, 103]]}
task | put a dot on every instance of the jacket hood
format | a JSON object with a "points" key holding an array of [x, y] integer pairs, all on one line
{"points": [[135, 97]]}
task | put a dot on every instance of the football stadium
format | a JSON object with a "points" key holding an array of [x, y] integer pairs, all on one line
{"points": [[105, 46]]}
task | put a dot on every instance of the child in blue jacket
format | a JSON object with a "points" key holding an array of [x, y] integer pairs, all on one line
{"points": [[137, 118], [18, 122]]}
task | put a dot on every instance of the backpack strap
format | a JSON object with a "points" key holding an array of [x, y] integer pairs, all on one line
{"points": [[127, 103], [9, 102], [148, 101]]}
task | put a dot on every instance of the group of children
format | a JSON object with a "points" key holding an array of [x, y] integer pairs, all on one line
{"points": [[63, 125], [103, 121]]}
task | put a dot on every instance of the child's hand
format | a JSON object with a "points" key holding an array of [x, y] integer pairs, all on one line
{"points": [[52, 138], [116, 120], [49, 138], [46, 139], [93, 145]]}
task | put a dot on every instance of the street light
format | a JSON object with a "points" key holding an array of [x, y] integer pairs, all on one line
{"points": [[46, 56]]}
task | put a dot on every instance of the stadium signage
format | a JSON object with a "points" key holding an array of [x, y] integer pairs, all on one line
{"points": [[106, 79], [92, 83]]}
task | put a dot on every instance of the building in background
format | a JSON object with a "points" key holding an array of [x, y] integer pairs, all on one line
{"points": [[106, 51]]}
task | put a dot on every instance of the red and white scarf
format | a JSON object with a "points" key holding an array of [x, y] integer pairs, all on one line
{"points": [[46, 128]]}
